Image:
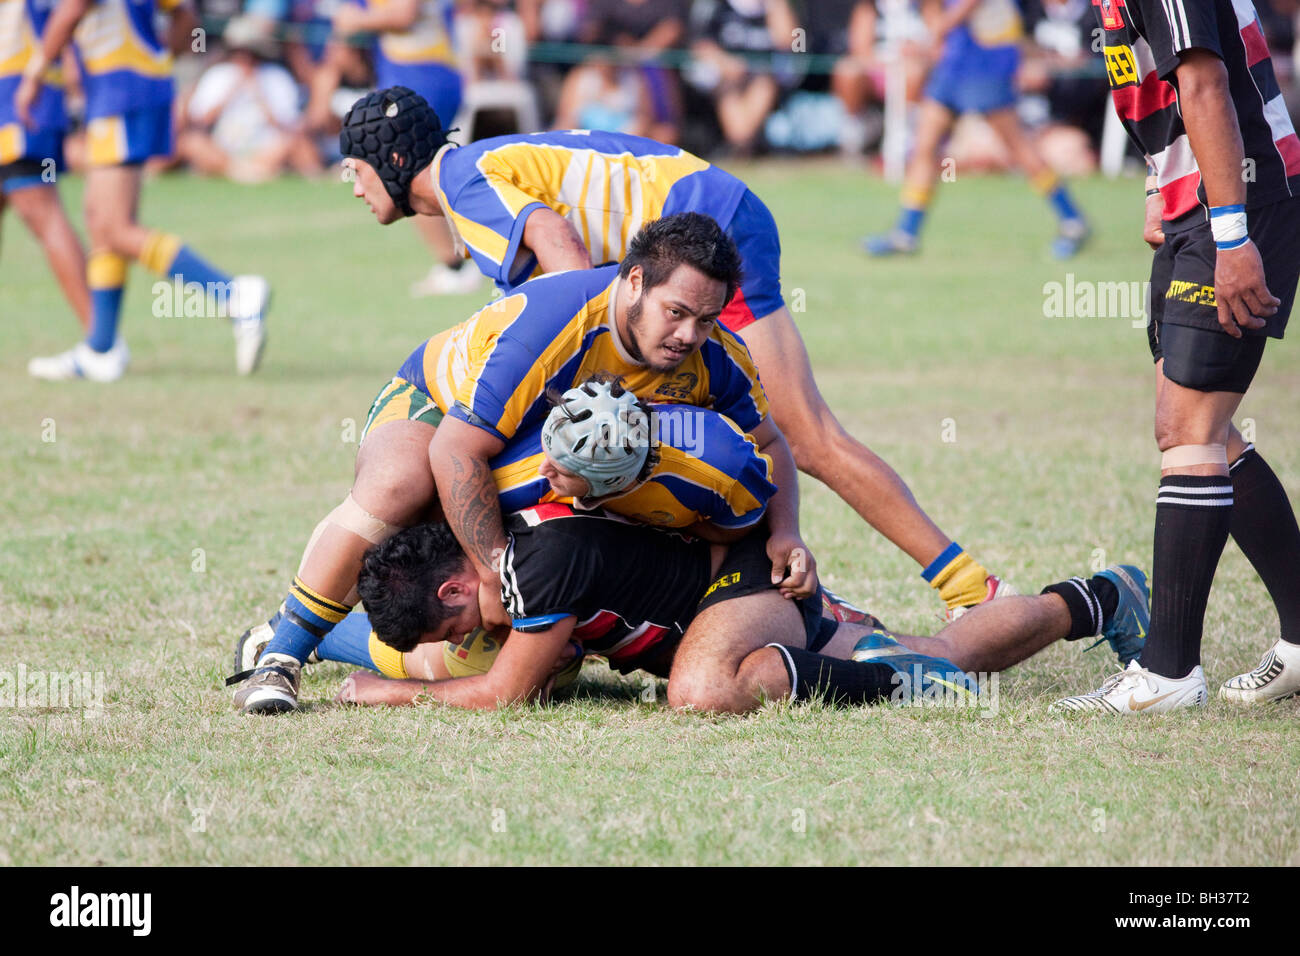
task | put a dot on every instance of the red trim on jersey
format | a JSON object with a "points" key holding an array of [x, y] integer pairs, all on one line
{"points": [[737, 314], [1252, 37], [1289, 148], [653, 634], [597, 627], [1138, 102], [1180, 195], [539, 513], [1110, 17]]}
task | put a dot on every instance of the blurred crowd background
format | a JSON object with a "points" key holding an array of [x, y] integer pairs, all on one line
{"points": [[267, 81]]}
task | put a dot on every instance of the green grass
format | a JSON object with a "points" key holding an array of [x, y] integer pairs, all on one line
{"points": [[181, 466]]}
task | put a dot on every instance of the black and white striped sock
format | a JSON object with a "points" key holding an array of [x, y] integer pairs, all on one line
{"points": [[1193, 513], [1085, 608]]}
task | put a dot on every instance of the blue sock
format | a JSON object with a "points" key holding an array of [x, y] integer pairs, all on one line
{"points": [[105, 308], [1061, 202], [909, 221], [193, 269], [106, 277], [349, 642], [307, 618]]}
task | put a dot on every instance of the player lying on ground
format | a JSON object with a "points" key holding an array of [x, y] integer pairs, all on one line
{"points": [[531, 204], [126, 74], [706, 616], [651, 320], [1195, 88], [31, 156]]}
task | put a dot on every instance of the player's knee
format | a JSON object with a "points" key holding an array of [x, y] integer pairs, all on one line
{"points": [[397, 494], [705, 693]]}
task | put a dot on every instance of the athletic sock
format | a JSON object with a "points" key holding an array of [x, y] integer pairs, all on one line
{"points": [[1193, 513], [1264, 527], [307, 618], [106, 277], [850, 682], [960, 580], [1087, 610], [1050, 186], [166, 255], [912, 215], [352, 642]]}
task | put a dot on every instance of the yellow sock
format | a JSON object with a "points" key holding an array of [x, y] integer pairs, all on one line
{"points": [[1045, 182], [913, 198], [159, 252], [961, 582], [388, 661]]}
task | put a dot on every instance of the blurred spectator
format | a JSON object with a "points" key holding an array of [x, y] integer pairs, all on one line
{"points": [[242, 119], [490, 41], [737, 51], [641, 97], [1067, 96]]}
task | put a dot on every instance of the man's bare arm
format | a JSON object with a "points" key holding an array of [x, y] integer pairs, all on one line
{"points": [[458, 456], [555, 242], [1215, 137], [522, 670], [785, 546], [58, 32]]}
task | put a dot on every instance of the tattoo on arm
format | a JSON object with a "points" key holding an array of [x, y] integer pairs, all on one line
{"points": [[473, 511]]}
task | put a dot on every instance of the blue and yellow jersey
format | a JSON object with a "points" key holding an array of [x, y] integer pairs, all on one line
{"points": [[408, 57], [993, 24], [708, 470], [124, 65], [494, 369], [21, 24], [607, 184]]}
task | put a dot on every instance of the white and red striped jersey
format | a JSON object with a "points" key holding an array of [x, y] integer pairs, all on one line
{"points": [[1143, 40]]}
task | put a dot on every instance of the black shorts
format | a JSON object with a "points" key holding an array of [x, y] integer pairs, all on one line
{"points": [[1198, 353], [747, 570]]}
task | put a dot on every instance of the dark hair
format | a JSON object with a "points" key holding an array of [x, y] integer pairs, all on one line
{"points": [[687, 238], [399, 583]]}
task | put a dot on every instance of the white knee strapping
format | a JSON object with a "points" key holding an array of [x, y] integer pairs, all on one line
{"points": [[1184, 456]]}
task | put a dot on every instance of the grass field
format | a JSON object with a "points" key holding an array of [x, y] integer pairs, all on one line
{"points": [[146, 523]]}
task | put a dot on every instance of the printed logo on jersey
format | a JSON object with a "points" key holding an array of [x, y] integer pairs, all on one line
{"points": [[680, 388], [1121, 69], [1110, 15]]}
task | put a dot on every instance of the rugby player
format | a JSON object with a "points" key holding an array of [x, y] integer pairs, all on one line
{"points": [[126, 74], [1195, 88], [30, 157], [975, 73], [540, 203], [707, 617], [462, 395], [412, 48]]}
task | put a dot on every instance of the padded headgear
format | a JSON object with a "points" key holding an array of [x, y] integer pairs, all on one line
{"points": [[397, 132], [599, 431]]}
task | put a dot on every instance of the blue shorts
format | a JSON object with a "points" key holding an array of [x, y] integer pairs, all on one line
{"points": [[440, 85], [753, 230], [978, 81], [129, 138], [29, 157]]}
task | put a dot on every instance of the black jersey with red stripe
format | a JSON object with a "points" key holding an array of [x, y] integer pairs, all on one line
{"points": [[1143, 39], [631, 587]]}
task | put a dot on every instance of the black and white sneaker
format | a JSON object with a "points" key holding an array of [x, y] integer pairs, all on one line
{"points": [[272, 688], [1276, 678]]}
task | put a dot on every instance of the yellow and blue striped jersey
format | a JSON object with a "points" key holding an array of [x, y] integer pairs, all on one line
{"points": [[607, 184], [992, 24], [494, 369], [403, 56], [708, 470], [21, 24], [124, 65]]}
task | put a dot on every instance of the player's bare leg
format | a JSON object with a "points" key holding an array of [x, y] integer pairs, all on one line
{"points": [[45, 218], [1072, 229], [823, 449], [393, 488], [934, 123]]}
